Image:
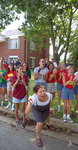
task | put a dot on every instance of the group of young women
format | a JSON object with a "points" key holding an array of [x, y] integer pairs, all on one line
{"points": [[41, 101]]}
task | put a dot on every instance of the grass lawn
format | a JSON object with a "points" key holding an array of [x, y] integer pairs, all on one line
{"points": [[54, 103]]}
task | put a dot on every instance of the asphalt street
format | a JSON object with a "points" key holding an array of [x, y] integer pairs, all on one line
{"points": [[16, 138]]}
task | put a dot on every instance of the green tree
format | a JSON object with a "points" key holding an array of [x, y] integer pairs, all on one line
{"points": [[43, 18], [7, 12], [47, 18], [74, 52]]}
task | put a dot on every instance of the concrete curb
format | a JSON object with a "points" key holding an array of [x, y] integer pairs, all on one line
{"points": [[57, 122]]}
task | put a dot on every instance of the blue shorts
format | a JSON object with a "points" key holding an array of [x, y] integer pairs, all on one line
{"points": [[76, 90], [59, 86], [42, 83], [2, 85], [15, 100], [67, 94]]}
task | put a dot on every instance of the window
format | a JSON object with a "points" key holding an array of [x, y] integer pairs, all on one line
{"points": [[32, 46], [11, 58], [32, 62], [13, 43]]}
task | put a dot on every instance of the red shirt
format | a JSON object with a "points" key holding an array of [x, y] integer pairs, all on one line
{"points": [[67, 78], [62, 72], [10, 74], [49, 75], [19, 91]]}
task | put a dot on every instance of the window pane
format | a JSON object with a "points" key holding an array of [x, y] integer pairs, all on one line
{"points": [[32, 46], [13, 43], [32, 62]]}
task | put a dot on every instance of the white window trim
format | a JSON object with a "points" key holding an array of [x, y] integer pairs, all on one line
{"points": [[34, 64], [18, 43], [32, 57], [13, 56]]}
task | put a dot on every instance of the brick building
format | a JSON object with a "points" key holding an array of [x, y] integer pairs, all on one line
{"points": [[14, 45]]}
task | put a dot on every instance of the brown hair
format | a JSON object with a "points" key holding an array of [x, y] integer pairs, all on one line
{"points": [[27, 65], [49, 64], [37, 87], [12, 68]]}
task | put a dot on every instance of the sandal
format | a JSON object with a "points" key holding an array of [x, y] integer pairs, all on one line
{"points": [[18, 123], [51, 127], [74, 114], [39, 142], [23, 125]]}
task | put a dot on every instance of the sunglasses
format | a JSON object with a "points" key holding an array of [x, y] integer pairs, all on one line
{"points": [[11, 65], [43, 61]]}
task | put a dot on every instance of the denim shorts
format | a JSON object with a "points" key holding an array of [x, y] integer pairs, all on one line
{"points": [[2, 85], [15, 100], [42, 83], [59, 86], [67, 94], [76, 90]]}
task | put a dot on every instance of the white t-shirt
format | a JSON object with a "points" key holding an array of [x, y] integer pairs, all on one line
{"points": [[41, 78], [76, 73], [55, 64], [37, 102]]}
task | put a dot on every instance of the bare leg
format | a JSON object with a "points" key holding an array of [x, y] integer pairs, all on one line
{"points": [[65, 106], [53, 95], [27, 97], [23, 111], [48, 120], [9, 96], [16, 110], [59, 96], [0, 91], [3, 93], [38, 129], [69, 106], [76, 106]]}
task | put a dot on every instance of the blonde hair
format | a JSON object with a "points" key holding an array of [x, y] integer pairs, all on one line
{"points": [[67, 68], [60, 64]]}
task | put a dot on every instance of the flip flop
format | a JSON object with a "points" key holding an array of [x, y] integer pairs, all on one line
{"points": [[23, 125], [18, 123]]}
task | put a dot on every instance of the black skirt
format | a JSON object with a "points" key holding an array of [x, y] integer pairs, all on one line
{"points": [[40, 113]]}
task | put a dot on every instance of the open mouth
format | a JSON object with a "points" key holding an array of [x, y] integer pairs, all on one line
{"points": [[43, 96]]}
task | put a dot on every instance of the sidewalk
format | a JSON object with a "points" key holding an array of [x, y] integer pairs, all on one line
{"points": [[71, 139], [58, 122]]}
